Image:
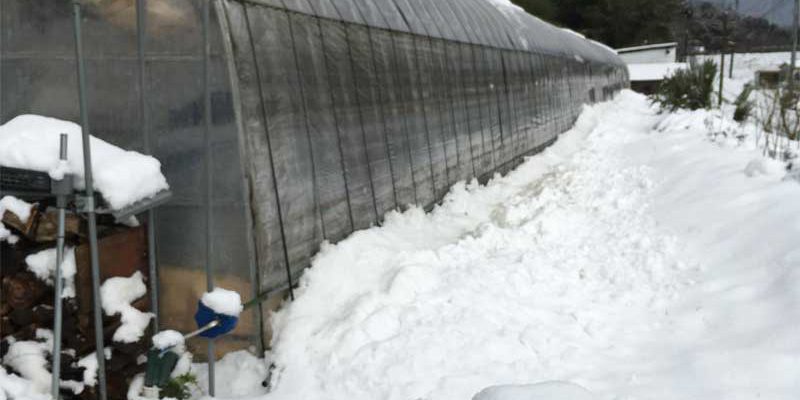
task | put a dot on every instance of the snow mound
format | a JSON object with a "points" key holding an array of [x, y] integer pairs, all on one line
{"points": [[28, 358], [539, 391], [223, 301], [14, 387], [43, 265], [238, 374], [118, 293], [122, 177]]}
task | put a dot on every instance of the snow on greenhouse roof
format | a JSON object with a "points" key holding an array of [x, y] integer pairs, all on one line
{"points": [[647, 47]]}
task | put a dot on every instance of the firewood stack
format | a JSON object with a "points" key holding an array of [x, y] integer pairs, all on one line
{"points": [[27, 301]]}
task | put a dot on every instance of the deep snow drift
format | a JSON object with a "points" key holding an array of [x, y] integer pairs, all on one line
{"points": [[635, 257]]}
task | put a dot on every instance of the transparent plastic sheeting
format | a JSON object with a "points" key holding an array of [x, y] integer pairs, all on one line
{"points": [[38, 75], [326, 114], [352, 108]]}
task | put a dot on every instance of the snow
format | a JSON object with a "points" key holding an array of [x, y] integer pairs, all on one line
{"points": [[14, 387], [89, 362], [19, 208], [43, 265], [167, 339], [540, 391], [28, 358], [653, 72], [238, 374], [118, 293], [223, 301], [744, 67], [635, 258], [122, 177]]}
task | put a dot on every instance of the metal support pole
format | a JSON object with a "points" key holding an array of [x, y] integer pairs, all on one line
{"points": [[141, 35], [90, 210], [58, 313], [721, 75], [795, 24], [733, 46], [209, 180], [722, 56]]}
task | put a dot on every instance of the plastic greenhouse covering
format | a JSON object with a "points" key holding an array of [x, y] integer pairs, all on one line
{"points": [[326, 114]]}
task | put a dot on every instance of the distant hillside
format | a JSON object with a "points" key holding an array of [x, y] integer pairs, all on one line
{"points": [[622, 23], [778, 12]]}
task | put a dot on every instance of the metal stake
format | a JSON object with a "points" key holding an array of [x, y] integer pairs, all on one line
{"points": [[61, 203], [90, 210], [141, 30], [209, 180], [795, 24]]}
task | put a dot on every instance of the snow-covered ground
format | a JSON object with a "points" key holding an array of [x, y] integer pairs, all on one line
{"points": [[636, 258], [745, 66]]}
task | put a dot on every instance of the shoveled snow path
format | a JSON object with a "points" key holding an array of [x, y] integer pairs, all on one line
{"points": [[578, 266]]}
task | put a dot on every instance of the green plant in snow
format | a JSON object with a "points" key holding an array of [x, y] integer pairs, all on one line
{"points": [[744, 107], [180, 387], [690, 88]]}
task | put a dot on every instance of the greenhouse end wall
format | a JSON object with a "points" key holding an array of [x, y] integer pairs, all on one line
{"points": [[38, 76]]}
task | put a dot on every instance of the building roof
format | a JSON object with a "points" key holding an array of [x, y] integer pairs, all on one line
{"points": [[647, 47]]}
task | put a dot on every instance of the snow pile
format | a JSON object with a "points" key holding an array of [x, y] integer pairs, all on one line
{"points": [[635, 258], [19, 208], [43, 265], [238, 374], [118, 293], [28, 359], [527, 278], [123, 177], [168, 339], [223, 301], [89, 362], [539, 391], [14, 387]]}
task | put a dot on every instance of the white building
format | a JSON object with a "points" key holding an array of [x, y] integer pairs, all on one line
{"points": [[650, 64], [650, 54]]}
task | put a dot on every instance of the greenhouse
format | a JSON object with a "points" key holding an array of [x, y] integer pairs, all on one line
{"points": [[294, 122]]}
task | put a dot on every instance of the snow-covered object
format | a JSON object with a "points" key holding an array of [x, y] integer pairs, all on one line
{"points": [[168, 339], [43, 265], [539, 391], [118, 293], [19, 208], [123, 177], [223, 301]]}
